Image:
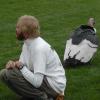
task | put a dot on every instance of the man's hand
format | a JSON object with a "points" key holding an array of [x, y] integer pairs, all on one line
{"points": [[18, 64], [10, 64]]}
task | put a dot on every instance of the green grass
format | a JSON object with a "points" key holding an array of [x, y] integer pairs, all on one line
{"points": [[57, 19]]}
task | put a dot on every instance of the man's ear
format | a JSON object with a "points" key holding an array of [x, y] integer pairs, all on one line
{"points": [[25, 32]]}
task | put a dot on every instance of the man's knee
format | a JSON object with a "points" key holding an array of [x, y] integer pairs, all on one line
{"points": [[10, 75], [3, 74], [6, 74]]}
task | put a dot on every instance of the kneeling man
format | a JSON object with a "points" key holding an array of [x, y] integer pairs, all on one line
{"points": [[38, 74]]}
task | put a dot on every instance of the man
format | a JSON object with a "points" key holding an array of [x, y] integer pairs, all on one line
{"points": [[38, 75], [81, 46]]}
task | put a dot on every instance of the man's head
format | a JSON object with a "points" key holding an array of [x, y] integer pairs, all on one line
{"points": [[27, 27]]}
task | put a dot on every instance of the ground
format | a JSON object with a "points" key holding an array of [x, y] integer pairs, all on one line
{"points": [[57, 19]]}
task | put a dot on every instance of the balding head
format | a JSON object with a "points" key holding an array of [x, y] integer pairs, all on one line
{"points": [[27, 27]]}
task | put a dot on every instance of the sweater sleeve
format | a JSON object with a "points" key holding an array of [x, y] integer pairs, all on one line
{"points": [[35, 79]]}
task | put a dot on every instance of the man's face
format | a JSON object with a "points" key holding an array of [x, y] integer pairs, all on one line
{"points": [[19, 34]]}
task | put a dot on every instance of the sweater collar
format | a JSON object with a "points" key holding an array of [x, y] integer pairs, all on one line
{"points": [[29, 41]]}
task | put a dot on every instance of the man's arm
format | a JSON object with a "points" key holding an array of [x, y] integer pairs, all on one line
{"points": [[35, 79]]}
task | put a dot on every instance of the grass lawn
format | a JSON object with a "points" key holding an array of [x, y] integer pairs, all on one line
{"points": [[57, 19]]}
